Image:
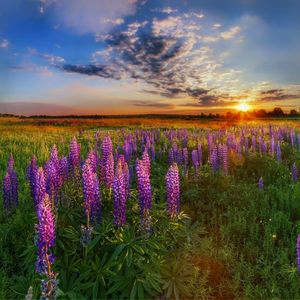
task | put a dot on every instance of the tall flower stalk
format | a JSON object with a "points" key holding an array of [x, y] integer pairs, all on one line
{"points": [[74, 160], [91, 194], [295, 174], [45, 242], [92, 201], [298, 252], [119, 193], [145, 194], [260, 183], [173, 190], [10, 188]]}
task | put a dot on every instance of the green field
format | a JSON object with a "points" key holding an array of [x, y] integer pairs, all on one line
{"points": [[231, 239]]}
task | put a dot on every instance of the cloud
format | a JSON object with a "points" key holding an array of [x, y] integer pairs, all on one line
{"points": [[4, 43], [231, 33], [165, 56], [90, 16], [164, 26], [279, 95], [29, 67], [154, 104], [216, 26], [52, 59], [91, 70], [165, 10]]}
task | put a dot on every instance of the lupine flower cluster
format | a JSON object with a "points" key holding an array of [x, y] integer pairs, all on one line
{"points": [[119, 193], [40, 188], [74, 160], [195, 160], [10, 188], [107, 162], [260, 183], [145, 194], [295, 174], [298, 253], [31, 174], [91, 193], [173, 190], [45, 241]]}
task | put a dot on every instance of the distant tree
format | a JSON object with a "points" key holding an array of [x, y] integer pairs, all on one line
{"points": [[294, 113], [229, 115], [277, 112], [261, 113]]}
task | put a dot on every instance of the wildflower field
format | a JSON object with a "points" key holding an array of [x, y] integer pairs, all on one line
{"points": [[149, 209]]}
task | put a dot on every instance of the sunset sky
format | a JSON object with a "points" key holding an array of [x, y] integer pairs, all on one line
{"points": [[130, 56]]}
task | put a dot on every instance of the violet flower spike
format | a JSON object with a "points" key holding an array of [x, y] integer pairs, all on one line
{"points": [[46, 241], [260, 183], [295, 174], [119, 194], [173, 190]]}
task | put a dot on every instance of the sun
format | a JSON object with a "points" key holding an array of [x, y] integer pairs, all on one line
{"points": [[243, 106]]}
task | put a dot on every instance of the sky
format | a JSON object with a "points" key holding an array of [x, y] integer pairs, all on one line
{"points": [[148, 56]]}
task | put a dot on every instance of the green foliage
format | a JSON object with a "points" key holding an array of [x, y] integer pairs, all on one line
{"points": [[232, 240]]}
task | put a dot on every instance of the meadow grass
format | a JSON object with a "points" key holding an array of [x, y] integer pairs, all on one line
{"points": [[234, 240]]}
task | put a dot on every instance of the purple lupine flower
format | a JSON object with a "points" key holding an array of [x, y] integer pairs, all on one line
{"points": [[278, 152], [298, 252], [260, 183], [31, 171], [52, 181], [295, 174], [171, 156], [45, 241], [195, 159], [246, 145], [185, 156], [153, 155], [145, 194], [146, 161], [225, 159], [40, 188], [109, 171], [199, 149], [126, 175], [74, 159], [179, 156], [173, 190], [272, 146], [10, 188], [107, 147], [119, 193], [63, 170], [10, 165], [292, 137], [54, 156], [46, 235], [214, 159], [93, 160], [91, 194], [7, 198], [107, 150], [253, 143]]}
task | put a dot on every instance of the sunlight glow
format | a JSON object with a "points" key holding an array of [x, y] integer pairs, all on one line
{"points": [[243, 106]]}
